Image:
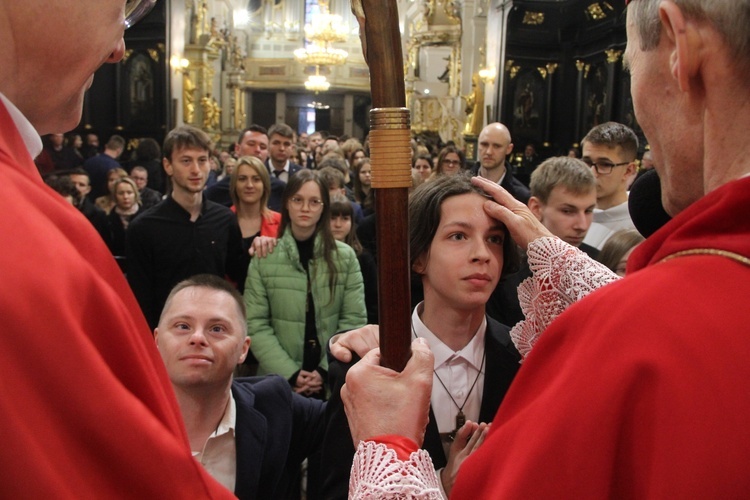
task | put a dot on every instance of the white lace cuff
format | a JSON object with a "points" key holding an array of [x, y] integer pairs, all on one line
{"points": [[561, 275], [377, 473]]}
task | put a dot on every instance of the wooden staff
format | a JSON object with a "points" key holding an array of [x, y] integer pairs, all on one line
{"points": [[390, 153]]}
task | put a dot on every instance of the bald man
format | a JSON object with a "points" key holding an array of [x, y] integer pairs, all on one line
{"points": [[494, 147]]}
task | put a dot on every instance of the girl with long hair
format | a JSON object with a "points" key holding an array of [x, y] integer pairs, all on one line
{"points": [[363, 185], [344, 229], [309, 288]]}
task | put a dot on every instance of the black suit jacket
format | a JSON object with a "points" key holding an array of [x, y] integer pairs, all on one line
{"points": [[502, 364], [275, 430], [509, 183], [277, 185]]}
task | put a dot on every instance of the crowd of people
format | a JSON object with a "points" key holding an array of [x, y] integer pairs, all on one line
{"points": [[285, 235], [532, 373]]}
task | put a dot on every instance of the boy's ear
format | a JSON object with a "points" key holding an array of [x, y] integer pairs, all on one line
{"points": [[535, 205], [420, 263]]}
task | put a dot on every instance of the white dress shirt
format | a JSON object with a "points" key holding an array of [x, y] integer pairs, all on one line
{"points": [[457, 370], [283, 173], [606, 223], [219, 454]]}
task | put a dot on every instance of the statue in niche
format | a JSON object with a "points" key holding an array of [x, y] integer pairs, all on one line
{"points": [[474, 108], [452, 9], [188, 99], [216, 37], [526, 105], [236, 59], [211, 112], [198, 22], [239, 109]]}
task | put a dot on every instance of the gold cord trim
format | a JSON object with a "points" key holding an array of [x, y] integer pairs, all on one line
{"points": [[390, 148], [709, 251]]}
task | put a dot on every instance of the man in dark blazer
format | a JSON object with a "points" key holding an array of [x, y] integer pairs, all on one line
{"points": [[494, 146], [251, 434], [281, 168], [502, 364]]}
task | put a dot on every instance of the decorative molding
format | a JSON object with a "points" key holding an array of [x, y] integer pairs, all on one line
{"points": [[533, 18], [272, 71], [613, 55], [154, 54]]}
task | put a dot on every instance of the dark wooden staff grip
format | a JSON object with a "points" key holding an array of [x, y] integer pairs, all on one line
{"points": [[390, 168]]}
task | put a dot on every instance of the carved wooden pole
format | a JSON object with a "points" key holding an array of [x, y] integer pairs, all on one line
{"points": [[390, 153]]}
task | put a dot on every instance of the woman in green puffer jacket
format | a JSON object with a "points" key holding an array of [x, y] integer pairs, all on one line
{"points": [[308, 289]]}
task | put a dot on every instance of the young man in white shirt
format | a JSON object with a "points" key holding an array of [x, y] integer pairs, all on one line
{"points": [[610, 149]]}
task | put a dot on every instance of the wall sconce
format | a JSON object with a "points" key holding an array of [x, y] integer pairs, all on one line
{"points": [[178, 63], [488, 75]]}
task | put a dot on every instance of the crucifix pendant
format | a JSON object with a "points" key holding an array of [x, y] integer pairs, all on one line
{"points": [[460, 420]]}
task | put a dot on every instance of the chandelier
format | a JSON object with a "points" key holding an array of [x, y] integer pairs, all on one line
{"points": [[321, 55], [323, 30], [317, 82], [326, 28]]}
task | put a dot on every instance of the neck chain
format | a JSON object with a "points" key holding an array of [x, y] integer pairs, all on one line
{"points": [[460, 417]]}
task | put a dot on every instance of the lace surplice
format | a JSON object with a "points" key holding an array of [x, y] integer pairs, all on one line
{"points": [[561, 275]]}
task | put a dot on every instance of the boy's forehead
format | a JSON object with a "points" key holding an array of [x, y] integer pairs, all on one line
{"points": [[189, 151], [561, 194]]}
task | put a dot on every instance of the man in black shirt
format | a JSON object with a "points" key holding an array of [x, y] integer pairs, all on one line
{"points": [[185, 234]]}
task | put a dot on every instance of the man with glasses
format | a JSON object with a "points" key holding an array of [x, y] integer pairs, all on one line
{"points": [[86, 407], [610, 149], [494, 147]]}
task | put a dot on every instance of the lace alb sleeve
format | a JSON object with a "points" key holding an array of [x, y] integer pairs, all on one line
{"points": [[561, 275], [377, 473]]}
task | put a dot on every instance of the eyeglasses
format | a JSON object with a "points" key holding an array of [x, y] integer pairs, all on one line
{"points": [[135, 10], [314, 204], [603, 167]]}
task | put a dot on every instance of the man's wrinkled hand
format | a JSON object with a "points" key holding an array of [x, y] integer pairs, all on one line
{"points": [[380, 401], [523, 226]]}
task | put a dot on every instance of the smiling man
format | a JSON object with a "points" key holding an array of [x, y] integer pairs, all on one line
{"points": [[251, 434], [184, 234]]}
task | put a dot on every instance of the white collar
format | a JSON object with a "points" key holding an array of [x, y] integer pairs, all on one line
{"points": [[27, 131], [229, 420], [473, 352]]}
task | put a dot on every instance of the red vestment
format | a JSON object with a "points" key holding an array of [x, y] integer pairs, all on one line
{"points": [[86, 407], [641, 389]]}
